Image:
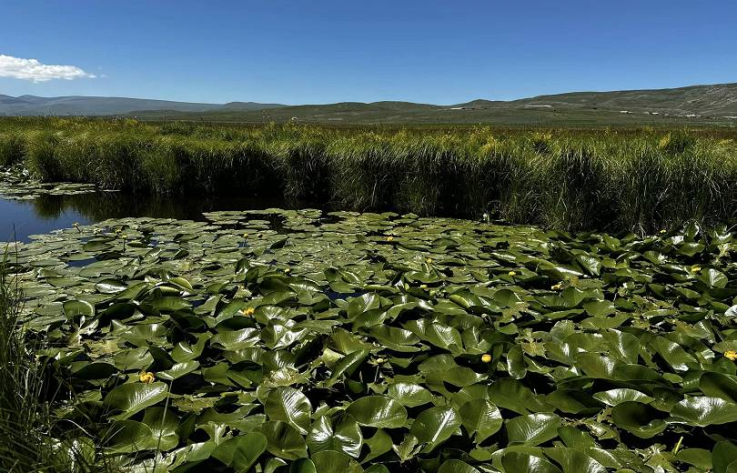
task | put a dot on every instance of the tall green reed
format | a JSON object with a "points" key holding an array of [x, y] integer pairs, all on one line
{"points": [[573, 179]]}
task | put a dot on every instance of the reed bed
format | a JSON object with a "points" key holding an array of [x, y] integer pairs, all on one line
{"points": [[639, 180]]}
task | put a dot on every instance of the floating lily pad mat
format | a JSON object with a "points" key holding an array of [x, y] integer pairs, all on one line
{"points": [[297, 341], [17, 184]]}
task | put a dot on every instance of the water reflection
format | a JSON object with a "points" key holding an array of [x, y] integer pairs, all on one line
{"points": [[19, 219]]}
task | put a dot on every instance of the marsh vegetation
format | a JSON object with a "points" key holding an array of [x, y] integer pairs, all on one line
{"points": [[641, 180]]}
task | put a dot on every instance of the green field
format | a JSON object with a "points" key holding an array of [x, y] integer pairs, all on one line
{"points": [[613, 179]]}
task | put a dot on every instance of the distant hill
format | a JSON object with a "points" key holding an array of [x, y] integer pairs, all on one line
{"points": [[30, 105], [711, 104], [706, 104], [704, 100]]}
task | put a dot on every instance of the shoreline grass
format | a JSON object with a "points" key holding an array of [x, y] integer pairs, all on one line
{"points": [[640, 180], [31, 436]]}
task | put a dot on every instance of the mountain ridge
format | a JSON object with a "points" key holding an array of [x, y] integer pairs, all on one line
{"points": [[712, 102]]}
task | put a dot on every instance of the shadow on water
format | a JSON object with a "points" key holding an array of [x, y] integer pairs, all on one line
{"points": [[49, 212]]}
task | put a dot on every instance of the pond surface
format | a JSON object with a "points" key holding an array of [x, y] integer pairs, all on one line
{"points": [[21, 218]]}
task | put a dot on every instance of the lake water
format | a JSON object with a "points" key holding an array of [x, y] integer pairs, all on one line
{"points": [[20, 219]]}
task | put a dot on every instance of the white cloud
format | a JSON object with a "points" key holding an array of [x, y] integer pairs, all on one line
{"points": [[33, 70]]}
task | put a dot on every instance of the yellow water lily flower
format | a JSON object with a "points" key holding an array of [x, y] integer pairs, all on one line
{"points": [[695, 269], [429, 260], [390, 238], [288, 270], [423, 287], [146, 377], [249, 311], [730, 355], [556, 287], [486, 358], [663, 231], [512, 273]]}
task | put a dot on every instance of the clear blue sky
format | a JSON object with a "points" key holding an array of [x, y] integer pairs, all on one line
{"points": [[319, 51]]}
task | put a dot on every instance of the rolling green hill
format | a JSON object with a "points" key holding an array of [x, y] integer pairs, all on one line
{"points": [[698, 105]]}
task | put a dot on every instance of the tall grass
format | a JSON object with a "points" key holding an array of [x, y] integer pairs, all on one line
{"points": [[30, 438], [574, 179]]}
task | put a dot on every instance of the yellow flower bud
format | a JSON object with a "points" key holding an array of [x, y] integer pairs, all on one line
{"points": [[730, 355], [486, 358], [695, 269], [249, 311], [512, 273], [146, 377], [390, 238]]}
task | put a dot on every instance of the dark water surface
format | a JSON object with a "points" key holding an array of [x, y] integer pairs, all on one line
{"points": [[19, 219]]}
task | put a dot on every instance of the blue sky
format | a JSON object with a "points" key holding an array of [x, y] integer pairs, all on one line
{"points": [[321, 51]]}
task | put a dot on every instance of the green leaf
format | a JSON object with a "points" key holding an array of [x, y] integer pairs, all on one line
{"points": [[178, 370], [303, 465], [617, 396], [291, 406], [348, 365], [381, 412], [77, 308], [719, 385], [574, 461], [111, 286], [96, 370], [284, 441], [435, 425], [519, 462], [639, 419], [697, 457], [723, 457], [134, 397], [127, 436], [703, 411], [329, 461], [346, 437], [377, 469], [456, 466], [378, 445], [533, 429], [714, 278], [163, 424], [599, 308], [241, 452], [481, 417], [232, 340], [409, 394], [573, 401], [511, 394]]}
